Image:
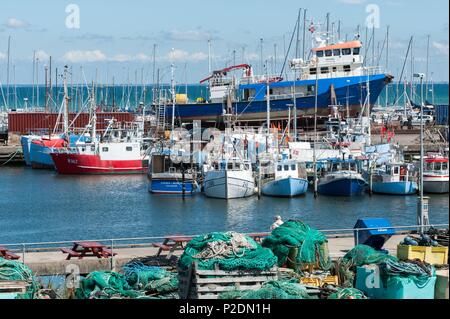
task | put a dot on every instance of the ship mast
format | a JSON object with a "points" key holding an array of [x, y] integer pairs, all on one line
{"points": [[66, 105]]}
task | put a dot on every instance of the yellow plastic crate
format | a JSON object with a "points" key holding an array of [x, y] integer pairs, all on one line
{"points": [[330, 280], [437, 256], [315, 282], [405, 252], [431, 255]]}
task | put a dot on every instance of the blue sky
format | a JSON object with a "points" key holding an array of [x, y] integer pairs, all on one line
{"points": [[117, 37]]}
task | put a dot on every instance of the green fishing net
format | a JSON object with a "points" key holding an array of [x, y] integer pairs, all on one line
{"points": [[15, 270], [296, 240], [347, 293], [229, 251], [282, 289], [365, 255]]}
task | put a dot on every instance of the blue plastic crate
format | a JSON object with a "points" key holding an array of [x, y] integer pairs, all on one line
{"points": [[369, 281], [376, 237]]}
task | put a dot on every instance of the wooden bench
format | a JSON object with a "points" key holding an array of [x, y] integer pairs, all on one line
{"points": [[162, 246], [107, 252], [70, 252]]}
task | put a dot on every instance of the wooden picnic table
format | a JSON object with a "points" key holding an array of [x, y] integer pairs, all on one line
{"points": [[7, 254], [87, 249], [258, 236], [172, 243]]}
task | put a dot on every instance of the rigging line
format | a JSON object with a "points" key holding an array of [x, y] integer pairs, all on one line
{"points": [[289, 48], [250, 102], [404, 65]]}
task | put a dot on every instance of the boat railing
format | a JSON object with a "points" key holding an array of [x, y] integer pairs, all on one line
{"points": [[113, 244], [372, 70]]}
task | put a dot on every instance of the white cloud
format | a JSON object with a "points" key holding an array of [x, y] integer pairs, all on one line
{"points": [[42, 55], [181, 55], [16, 23], [84, 56], [352, 1], [442, 48], [2, 56], [189, 35]]}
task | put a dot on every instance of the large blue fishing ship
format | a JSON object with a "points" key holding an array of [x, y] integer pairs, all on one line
{"points": [[336, 71]]}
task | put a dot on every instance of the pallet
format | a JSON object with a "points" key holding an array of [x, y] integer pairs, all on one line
{"points": [[13, 286], [195, 283]]}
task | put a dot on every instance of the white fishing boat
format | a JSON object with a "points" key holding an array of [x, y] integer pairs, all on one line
{"points": [[285, 179], [232, 178], [436, 174]]}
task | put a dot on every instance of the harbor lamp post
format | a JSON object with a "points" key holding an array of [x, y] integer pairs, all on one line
{"points": [[422, 214]]}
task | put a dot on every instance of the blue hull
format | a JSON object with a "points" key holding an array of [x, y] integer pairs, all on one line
{"points": [[353, 88], [40, 156], [26, 144], [342, 187], [395, 188], [161, 186], [286, 187]]}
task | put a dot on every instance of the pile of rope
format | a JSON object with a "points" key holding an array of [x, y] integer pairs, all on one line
{"points": [[281, 289], [15, 270], [228, 251], [295, 234], [418, 271]]}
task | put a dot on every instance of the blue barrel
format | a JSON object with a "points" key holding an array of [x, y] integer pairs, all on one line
{"points": [[376, 237]]}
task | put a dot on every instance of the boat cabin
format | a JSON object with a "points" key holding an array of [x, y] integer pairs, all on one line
{"points": [[439, 164], [395, 172], [232, 165]]}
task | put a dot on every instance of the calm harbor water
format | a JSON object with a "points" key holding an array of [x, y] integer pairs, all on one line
{"points": [[44, 206]]}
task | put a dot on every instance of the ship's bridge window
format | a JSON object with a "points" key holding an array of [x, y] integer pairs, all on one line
{"points": [[324, 70], [279, 168], [346, 51], [293, 167], [396, 170], [312, 71], [92, 148], [230, 166], [104, 149], [129, 148], [319, 54], [334, 69], [328, 52], [337, 52], [356, 51], [286, 167], [347, 68], [444, 166]]}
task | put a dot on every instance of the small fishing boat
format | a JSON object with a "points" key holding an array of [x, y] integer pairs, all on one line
{"points": [[394, 179], [436, 174], [40, 148], [287, 179], [231, 178], [167, 177], [342, 179]]}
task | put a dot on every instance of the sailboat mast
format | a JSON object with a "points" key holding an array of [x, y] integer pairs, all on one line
{"points": [[387, 64], [304, 34], [66, 104], [34, 69], [426, 73], [315, 127], [267, 106], [172, 81], [7, 71]]}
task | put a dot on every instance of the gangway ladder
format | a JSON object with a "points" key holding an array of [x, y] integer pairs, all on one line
{"points": [[161, 116]]}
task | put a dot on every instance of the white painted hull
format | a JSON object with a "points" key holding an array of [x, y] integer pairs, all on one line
{"points": [[437, 184], [229, 184]]}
